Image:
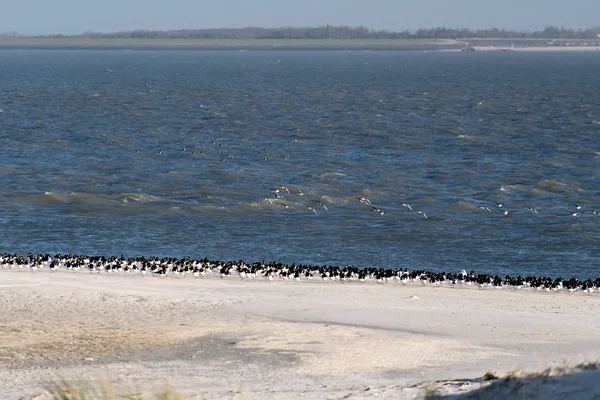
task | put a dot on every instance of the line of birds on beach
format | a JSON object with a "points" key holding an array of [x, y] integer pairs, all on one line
{"points": [[270, 271]]}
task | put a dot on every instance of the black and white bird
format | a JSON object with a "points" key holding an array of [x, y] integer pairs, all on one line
{"points": [[312, 209], [321, 204], [364, 200]]}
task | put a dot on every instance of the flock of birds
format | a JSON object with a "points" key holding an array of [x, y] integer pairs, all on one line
{"points": [[270, 271], [281, 192], [279, 199], [253, 152], [281, 195], [577, 210]]}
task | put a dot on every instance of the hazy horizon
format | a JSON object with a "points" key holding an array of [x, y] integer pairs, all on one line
{"points": [[39, 17]]}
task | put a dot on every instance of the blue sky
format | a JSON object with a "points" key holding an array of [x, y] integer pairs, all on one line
{"points": [[76, 16]]}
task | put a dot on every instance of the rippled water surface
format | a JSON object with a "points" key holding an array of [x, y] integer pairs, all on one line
{"points": [[169, 154]]}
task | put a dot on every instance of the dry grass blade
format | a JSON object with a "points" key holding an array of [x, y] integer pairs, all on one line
{"points": [[66, 390]]}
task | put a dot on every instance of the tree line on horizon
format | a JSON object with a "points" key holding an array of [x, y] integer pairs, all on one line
{"points": [[344, 32]]}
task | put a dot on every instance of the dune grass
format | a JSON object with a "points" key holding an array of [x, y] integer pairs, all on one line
{"points": [[103, 390]]}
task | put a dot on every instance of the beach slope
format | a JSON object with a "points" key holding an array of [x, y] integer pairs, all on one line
{"points": [[230, 338]]}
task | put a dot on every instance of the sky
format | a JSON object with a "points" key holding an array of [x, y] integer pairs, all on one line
{"points": [[77, 16]]}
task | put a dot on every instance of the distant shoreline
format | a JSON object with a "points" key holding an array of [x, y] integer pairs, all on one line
{"points": [[227, 44], [284, 45]]}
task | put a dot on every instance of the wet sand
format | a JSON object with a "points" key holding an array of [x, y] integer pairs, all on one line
{"points": [[228, 339]]}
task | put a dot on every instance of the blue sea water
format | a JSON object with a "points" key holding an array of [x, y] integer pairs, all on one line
{"points": [[168, 153]]}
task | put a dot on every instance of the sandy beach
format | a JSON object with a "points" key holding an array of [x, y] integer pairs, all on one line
{"points": [[214, 338], [532, 49], [559, 48]]}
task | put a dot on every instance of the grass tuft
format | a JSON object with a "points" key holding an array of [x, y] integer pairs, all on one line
{"points": [[104, 390], [490, 376], [431, 392]]}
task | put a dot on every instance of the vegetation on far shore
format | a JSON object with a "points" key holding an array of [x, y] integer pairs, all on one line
{"points": [[321, 37], [342, 32]]}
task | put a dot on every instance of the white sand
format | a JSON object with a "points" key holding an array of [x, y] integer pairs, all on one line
{"points": [[559, 48], [229, 339], [533, 49]]}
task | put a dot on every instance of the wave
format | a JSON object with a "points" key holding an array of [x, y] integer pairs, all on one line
{"points": [[331, 175], [467, 137], [515, 188], [207, 208], [462, 206], [544, 188], [74, 197], [556, 186], [536, 193], [549, 184], [174, 173], [51, 197], [139, 197]]}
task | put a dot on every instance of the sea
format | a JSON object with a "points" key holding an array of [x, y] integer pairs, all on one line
{"points": [[306, 157]]}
